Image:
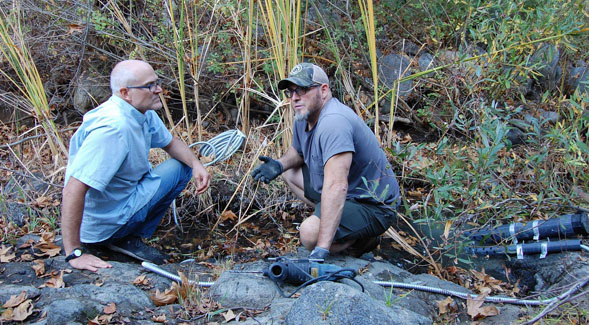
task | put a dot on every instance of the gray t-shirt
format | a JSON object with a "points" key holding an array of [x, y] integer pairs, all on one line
{"points": [[340, 130]]}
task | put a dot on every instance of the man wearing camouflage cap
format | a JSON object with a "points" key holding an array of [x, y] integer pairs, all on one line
{"points": [[336, 165]]}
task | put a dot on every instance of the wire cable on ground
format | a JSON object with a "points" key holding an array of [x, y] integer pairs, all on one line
{"points": [[220, 148], [400, 285]]}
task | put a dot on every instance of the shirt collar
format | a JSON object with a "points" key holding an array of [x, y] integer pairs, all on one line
{"points": [[128, 109]]}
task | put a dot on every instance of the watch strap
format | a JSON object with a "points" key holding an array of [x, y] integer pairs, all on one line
{"points": [[77, 252]]}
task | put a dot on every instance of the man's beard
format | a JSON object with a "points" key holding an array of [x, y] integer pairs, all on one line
{"points": [[301, 117]]}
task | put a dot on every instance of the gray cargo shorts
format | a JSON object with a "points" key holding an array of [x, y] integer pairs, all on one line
{"points": [[359, 219]]}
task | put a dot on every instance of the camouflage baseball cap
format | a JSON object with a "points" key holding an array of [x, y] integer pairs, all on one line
{"points": [[304, 75]]}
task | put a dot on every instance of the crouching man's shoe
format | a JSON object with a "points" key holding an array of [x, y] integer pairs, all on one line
{"points": [[136, 248]]}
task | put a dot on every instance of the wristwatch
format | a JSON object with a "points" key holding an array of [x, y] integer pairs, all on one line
{"points": [[77, 252]]}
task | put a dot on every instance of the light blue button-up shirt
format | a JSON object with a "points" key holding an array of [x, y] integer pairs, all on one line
{"points": [[109, 153]]}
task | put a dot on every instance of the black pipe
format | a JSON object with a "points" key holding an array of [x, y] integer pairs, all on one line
{"points": [[527, 248], [566, 226]]}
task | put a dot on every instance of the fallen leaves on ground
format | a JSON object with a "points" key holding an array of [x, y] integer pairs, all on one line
{"points": [[141, 281], [228, 215], [475, 309], [15, 300], [26, 258], [159, 318], [6, 255], [110, 309], [39, 267], [56, 281], [18, 308], [100, 320], [165, 298], [446, 305], [47, 245], [228, 315]]}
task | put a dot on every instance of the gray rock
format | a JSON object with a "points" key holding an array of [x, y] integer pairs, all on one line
{"points": [[126, 297], [16, 212], [392, 67], [578, 79], [9, 290], [521, 124], [549, 116], [62, 311], [409, 47], [471, 68], [516, 136], [426, 62], [545, 62], [245, 289], [336, 303], [90, 92]]}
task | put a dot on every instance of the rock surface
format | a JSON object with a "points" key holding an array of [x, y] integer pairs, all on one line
{"points": [[85, 294]]}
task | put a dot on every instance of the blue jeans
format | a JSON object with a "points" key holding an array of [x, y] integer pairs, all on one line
{"points": [[174, 177]]}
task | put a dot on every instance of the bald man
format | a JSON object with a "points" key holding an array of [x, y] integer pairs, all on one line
{"points": [[112, 195]]}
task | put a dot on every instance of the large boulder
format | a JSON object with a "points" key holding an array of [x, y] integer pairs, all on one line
{"points": [[544, 61], [392, 67], [91, 90], [336, 303]]}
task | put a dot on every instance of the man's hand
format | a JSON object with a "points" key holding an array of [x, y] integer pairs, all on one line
{"points": [[319, 253], [201, 177], [268, 171], [89, 262]]}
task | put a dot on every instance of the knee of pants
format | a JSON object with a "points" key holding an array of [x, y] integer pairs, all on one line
{"points": [[185, 171]]}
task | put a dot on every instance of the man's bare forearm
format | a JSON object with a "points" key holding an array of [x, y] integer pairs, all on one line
{"points": [[291, 159], [72, 209], [333, 197], [180, 151]]}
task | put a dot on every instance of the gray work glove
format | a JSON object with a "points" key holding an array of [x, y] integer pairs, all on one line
{"points": [[319, 253], [268, 171]]}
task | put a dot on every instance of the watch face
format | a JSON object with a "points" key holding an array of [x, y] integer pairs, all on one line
{"points": [[77, 252]]}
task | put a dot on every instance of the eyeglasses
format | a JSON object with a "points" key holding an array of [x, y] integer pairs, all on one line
{"points": [[152, 86], [300, 91]]}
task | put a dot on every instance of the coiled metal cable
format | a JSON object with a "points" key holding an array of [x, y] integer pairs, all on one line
{"points": [[219, 148]]}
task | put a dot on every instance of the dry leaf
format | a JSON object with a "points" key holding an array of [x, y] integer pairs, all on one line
{"points": [[141, 280], [164, 298], [42, 202], [159, 319], [445, 305], [39, 267], [99, 283], [6, 315], [75, 28], [26, 258], [5, 254], [229, 315], [447, 228], [56, 281], [49, 249], [27, 244], [100, 320], [15, 300], [23, 311], [475, 309], [228, 215], [110, 309], [47, 237]]}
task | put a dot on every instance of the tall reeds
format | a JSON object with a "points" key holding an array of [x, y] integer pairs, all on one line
{"points": [[14, 50], [178, 36], [368, 20], [282, 23]]}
